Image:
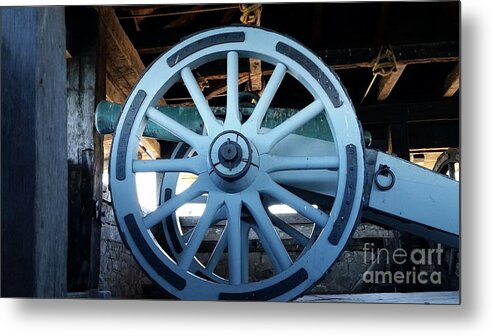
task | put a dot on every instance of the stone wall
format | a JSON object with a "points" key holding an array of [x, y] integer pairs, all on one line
{"points": [[119, 273]]}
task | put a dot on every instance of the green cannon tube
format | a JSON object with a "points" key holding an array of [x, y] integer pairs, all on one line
{"points": [[107, 114]]}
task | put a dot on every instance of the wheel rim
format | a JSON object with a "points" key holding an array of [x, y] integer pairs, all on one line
{"points": [[448, 163], [244, 193]]}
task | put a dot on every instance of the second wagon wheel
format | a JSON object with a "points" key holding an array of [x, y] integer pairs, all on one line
{"points": [[240, 167], [448, 163]]}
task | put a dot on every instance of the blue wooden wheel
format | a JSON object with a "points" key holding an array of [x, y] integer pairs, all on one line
{"points": [[239, 195]]}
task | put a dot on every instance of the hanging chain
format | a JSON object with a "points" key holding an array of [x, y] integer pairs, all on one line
{"points": [[251, 14]]}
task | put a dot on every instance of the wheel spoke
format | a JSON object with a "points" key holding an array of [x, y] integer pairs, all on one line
{"points": [[191, 138], [288, 229], [268, 187], [273, 163], [195, 165], [451, 170], [195, 190], [217, 252], [244, 252], [233, 204], [214, 202], [252, 125], [266, 232], [187, 236], [211, 124], [265, 142], [285, 227], [268, 249], [233, 117]]}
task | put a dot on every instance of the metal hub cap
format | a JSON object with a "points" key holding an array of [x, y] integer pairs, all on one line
{"points": [[230, 155]]}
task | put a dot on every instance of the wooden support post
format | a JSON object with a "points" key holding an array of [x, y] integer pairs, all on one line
{"points": [[243, 78], [255, 78], [86, 87], [34, 152], [387, 83], [399, 140], [452, 82]]}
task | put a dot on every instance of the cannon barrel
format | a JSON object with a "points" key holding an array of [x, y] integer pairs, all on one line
{"points": [[107, 114]]}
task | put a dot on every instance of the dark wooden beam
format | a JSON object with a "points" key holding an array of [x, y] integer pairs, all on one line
{"points": [[153, 50], [411, 113], [405, 54], [151, 42], [400, 145], [440, 134], [426, 125], [33, 152], [338, 59], [185, 19], [86, 81], [387, 83], [138, 13], [228, 15], [452, 82]]}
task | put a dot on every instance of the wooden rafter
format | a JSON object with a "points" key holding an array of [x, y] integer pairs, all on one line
{"points": [[243, 78], [228, 15], [114, 93], [452, 82], [419, 53], [150, 147], [387, 83], [348, 58], [139, 14], [185, 19], [124, 65]]}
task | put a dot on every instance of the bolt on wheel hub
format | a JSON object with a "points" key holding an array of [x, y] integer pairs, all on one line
{"points": [[230, 154]]}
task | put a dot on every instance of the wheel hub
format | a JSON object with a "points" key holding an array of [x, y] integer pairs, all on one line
{"points": [[230, 156]]}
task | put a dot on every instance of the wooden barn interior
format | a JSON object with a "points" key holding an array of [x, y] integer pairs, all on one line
{"points": [[399, 63]]}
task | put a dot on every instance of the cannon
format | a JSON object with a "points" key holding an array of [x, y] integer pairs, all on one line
{"points": [[244, 160]]}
